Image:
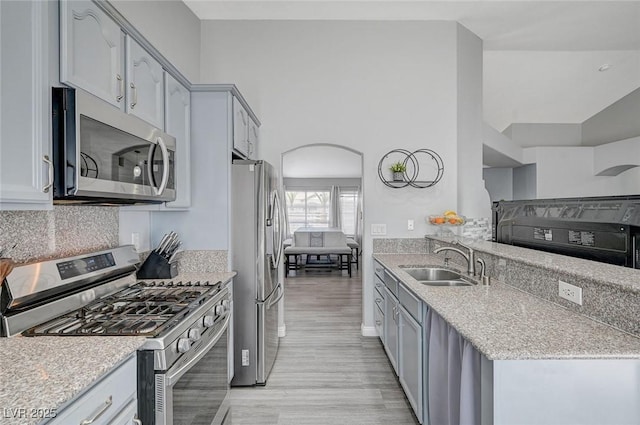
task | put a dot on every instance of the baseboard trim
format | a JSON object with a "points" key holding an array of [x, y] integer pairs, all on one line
{"points": [[282, 331], [368, 330]]}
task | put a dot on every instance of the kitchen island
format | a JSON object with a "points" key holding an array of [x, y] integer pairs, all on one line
{"points": [[539, 363]]}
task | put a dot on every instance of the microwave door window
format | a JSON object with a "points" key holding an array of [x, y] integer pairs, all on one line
{"points": [[110, 154]]}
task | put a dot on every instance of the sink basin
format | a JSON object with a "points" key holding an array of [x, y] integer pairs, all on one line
{"points": [[436, 276], [457, 282], [431, 273]]}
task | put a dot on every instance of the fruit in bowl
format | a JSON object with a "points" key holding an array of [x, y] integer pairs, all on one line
{"points": [[449, 217]]}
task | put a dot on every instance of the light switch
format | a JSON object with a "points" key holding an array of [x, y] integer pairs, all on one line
{"points": [[378, 229]]}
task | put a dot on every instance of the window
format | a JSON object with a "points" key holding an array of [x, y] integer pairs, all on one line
{"points": [[349, 210], [308, 208]]}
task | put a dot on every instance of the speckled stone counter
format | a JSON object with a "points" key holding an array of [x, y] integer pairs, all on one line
{"points": [[48, 372], [505, 323]]}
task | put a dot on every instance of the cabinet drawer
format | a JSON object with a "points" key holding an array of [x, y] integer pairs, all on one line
{"points": [[105, 399], [409, 301], [379, 291], [379, 270], [378, 316], [391, 283]]}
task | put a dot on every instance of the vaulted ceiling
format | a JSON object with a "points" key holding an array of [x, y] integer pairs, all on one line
{"points": [[542, 58]]}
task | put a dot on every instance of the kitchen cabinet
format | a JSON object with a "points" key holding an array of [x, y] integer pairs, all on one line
{"points": [[26, 175], [178, 124], [240, 129], [391, 312], [92, 51], [145, 85], [253, 139], [410, 355], [379, 306], [110, 401]]}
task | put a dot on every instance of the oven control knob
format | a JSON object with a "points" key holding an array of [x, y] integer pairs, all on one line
{"points": [[184, 344], [194, 334], [208, 321], [220, 310]]}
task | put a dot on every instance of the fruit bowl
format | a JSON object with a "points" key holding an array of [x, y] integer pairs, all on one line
{"points": [[446, 220]]}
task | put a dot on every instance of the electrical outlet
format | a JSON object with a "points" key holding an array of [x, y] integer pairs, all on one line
{"points": [[410, 225], [245, 357], [570, 292]]}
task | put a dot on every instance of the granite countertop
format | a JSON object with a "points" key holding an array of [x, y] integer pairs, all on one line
{"points": [[505, 323], [47, 372], [607, 274]]}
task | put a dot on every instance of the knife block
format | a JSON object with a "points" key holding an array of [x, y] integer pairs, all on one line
{"points": [[157, 267]]}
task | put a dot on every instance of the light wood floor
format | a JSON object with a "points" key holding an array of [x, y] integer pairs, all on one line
{"points": [[326, 372]]}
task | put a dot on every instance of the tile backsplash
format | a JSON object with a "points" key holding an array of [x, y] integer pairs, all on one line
{"points": [[66, 230]]}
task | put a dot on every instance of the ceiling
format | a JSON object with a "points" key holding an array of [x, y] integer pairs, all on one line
{"points": [[541, 57]]}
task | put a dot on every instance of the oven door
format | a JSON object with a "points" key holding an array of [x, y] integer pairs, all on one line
{"points": [[195, 391]]}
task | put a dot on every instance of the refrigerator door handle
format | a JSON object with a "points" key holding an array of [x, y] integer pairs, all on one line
{"points": [[277, 237], [273, 291], [278, 298]]}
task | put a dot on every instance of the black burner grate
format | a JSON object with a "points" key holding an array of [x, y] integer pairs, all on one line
{"points": [[146, 308]]}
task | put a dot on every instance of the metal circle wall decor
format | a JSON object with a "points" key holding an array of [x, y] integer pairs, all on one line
{"points": [[432, 165]]}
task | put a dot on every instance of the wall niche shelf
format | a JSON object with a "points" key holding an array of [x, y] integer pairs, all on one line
{"points": [[424, 168]]}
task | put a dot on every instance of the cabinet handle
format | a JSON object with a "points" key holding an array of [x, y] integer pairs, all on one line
{"points": [[120, 87], [378, 322], [47, 161], [136, 421], [107, 404], [134, 95], [378, 300]]}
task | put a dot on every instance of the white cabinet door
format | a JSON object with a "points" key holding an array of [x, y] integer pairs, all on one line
{"points": [[410, 360], [240, 128], [92, 51], [252, 139], [25, 106], [178, 124], [145, 87]]}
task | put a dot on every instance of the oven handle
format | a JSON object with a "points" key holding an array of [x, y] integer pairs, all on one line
{"points": [[174, 376]]}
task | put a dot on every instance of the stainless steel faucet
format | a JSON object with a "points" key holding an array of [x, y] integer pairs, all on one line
{"points": [[470, 256]]}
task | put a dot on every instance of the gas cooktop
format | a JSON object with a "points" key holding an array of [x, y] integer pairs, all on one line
{"points": [[146, 308]]}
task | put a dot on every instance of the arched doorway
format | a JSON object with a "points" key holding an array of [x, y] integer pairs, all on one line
{"points": [[323, 186]]}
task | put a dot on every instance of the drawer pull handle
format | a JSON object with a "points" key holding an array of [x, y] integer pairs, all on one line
{"points": [[107, 404], [136, 421], [378, 322], [378, 300]]}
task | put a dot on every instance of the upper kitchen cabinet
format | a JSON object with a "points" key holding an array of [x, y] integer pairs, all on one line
{"points": [[26, 175], [252, 139], [92, 51], [145, 88], [178, 124], [240, 129]]}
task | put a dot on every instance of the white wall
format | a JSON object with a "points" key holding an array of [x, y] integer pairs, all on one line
{"points": [[499, 183], [370, 86], [171, 27], [473, 198], [524, 182], [321, 161]]}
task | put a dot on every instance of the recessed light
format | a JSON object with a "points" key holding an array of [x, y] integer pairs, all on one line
{"points": [[604, 67]]}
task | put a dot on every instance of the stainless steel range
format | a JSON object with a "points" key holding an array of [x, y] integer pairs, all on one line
{"points": [[182, 366]]}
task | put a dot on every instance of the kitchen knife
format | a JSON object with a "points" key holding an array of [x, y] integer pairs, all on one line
{"points": [[162, 242]]}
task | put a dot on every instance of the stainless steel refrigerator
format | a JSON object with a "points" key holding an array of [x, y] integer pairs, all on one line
{"points": [[256, 245]]}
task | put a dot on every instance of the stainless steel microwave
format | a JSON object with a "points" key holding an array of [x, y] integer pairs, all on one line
{"points": [[102, 155]]}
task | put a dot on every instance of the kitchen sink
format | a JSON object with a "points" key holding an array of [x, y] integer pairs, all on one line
{"points": [[436, 276]]}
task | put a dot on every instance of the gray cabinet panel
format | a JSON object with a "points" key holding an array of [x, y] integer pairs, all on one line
{"points": [[410, 360], [391, 313]]}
